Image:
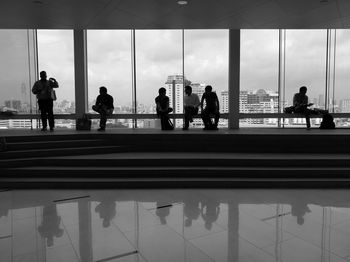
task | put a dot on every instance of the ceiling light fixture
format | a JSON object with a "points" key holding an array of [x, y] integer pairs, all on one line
{"points": [[182, 2]]}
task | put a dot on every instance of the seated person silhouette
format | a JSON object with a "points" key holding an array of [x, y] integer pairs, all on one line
{"points": [[192, 103], [163, 109], [211, 108], [103, 106], [301, 104]]}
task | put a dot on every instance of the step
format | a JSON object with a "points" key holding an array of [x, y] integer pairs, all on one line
{"points": [[127, 159], [177, 172], [55, 144], [67, 151]]}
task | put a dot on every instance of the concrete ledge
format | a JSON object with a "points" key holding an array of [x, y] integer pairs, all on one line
{"points": [[177, 116]]}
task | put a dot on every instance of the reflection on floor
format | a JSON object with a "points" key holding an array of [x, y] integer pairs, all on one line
{"points": [[175, 225]]}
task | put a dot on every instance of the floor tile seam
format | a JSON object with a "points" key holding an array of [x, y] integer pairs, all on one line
{"points": [[314, 244], [47, 248], [184, 239], [204, 235], [242, 238], [130, 242], [343, 222], [259, 248], [272, 239], [127, 239], [281, 242], [71, 242]]}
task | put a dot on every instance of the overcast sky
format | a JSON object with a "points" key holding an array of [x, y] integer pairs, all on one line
{"points": [[159, 54]]}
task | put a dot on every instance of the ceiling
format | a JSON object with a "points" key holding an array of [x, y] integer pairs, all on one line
{"points": [[167, 14]]}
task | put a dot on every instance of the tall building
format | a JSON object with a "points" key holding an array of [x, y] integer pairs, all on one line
{"points": [[175, 91], [321, 101], [345, 105], [13, 104], [224, 102]]}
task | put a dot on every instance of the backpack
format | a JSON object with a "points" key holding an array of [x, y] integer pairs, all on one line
{"points": [[327, 122]]}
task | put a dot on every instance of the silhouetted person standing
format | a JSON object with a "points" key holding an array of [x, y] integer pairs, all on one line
{"points": [[301, 104], [212, 107], [43, 89], [163, 109], [103, 106], [192, 103]]}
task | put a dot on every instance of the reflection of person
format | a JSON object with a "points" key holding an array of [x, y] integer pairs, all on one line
{"points": [[301, 104], [103, 106], [162, 213], [5, 206], [212, 108], [191, 210], [43, 89], [191, 102], [50, 225], [211, 214], [107, 211], [299, 209], [163, 109]]}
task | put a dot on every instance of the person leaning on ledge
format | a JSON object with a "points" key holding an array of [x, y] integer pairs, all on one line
{"points": [[192, 103], [212, 107], [103, 106], [163, 109]]}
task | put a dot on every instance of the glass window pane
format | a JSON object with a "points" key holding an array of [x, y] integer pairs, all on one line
{"points": [[259, 75], [306, 66], [206, 63], [342, 76], [158, 63], [56, 57], [109, 65], [17, 73]]}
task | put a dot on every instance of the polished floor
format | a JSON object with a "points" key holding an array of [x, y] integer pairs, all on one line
{"points": [[283, 225]]}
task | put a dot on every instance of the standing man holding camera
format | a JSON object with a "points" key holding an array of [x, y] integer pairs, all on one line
{"points": [[44, 91]]}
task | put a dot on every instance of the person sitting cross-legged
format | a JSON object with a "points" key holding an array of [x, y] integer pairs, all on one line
{"points": [[103, 106], [301, 104]]}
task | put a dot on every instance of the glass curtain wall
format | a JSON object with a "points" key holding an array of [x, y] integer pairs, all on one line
{"points": [[17, 75], [109, 64], [158, 64], [317, 59], [305, 65], [206, 63], [56, 57]]}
